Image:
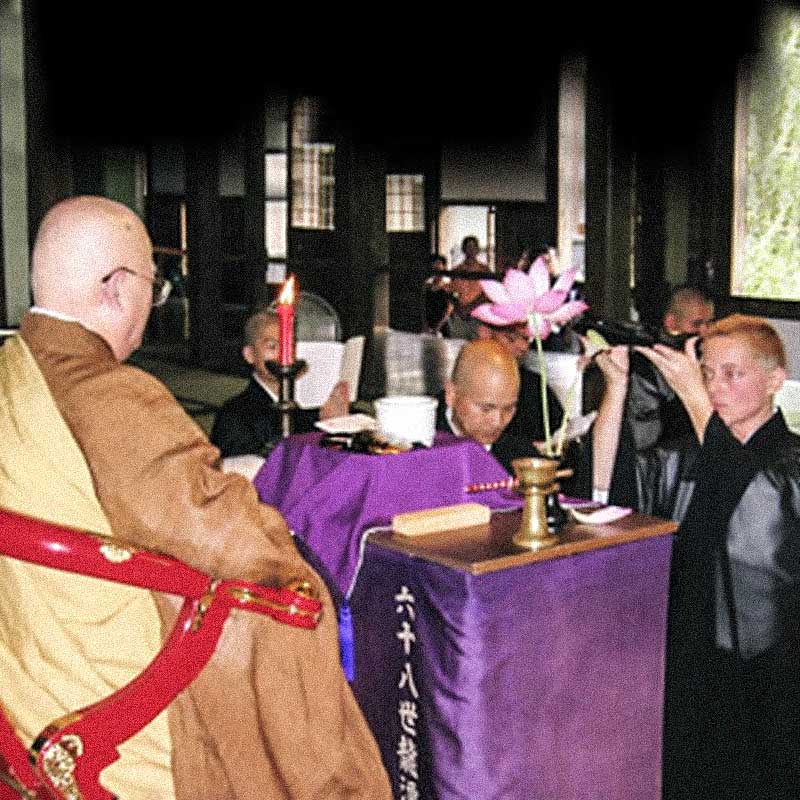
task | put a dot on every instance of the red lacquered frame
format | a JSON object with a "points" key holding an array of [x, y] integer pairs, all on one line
{"points": [[70, 753]]}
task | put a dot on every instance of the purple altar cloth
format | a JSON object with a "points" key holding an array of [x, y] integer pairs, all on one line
{"points": [[330, 498], [539, 682]]}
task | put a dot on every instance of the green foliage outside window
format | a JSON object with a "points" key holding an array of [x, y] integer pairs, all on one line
{"points": [[769, 263]]}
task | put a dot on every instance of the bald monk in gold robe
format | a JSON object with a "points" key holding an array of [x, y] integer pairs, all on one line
{"points": [[271, 715]]}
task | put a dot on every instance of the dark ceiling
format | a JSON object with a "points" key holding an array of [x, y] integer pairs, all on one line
{"points": [[155, 74]]}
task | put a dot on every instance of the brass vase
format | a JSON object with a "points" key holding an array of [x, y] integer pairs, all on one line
{"points": [[537, 483]]}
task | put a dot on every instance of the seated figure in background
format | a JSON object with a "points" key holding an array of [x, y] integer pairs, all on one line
{"points": [[732, 703], [250, 421], [480, 400], [92, 443], [655, 412], [689, 311], [470, 247], [467, 292], [438, 298]]}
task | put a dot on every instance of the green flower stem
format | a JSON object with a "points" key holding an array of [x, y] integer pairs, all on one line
{"points": [[548, 443]]}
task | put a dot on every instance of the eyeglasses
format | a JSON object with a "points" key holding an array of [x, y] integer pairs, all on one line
{"points": [[161, 286]]}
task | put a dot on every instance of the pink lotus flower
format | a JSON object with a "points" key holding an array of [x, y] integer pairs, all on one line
{"points": [[528, 297]]}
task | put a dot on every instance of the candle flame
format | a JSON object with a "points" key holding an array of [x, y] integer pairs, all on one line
{"points": [[286, 297]]}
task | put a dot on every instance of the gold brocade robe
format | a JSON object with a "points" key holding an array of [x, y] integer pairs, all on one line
{"points": [[271, 715], [67, 640]]}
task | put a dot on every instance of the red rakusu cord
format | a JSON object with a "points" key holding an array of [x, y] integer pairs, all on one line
{"points": [[506, 483]]}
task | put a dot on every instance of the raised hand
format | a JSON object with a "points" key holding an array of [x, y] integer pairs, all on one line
{"points": [[680, 368], [682, 371], [614, 363], [338, 403]]}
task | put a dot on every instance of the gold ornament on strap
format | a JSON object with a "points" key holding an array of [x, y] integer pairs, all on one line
{"points": [[59, 763]]}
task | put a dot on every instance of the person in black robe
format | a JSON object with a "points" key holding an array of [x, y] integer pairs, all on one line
{"points": [[250, 421], [480, 400], [528, 420], [438, 300], [732, 691], [656, 412]]}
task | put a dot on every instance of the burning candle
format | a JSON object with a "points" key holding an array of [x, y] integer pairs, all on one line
{"points": [[286, 323]]}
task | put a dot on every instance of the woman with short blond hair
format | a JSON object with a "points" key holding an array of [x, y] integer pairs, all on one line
{"points": [[732, 710]]}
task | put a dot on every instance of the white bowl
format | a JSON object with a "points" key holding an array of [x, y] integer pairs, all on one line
{"points": [[406, 419]]}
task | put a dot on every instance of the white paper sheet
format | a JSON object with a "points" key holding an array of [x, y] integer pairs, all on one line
{"points": [[352, 423], [328, 363]]}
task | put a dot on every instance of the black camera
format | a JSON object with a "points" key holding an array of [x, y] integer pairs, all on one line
{"points": [[678, 341], [613, 332], [631, 333]]}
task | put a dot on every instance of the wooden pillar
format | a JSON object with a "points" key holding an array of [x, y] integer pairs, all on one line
{"points": [[711, 194], [649, 237], [366, 242], [609, 206], [14, 285], [204, 245], [549, 103], [254, 210], [49, 161]]}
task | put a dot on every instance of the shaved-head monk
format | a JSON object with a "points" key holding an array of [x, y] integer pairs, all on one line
{"points": [[480, 400], [96, 444], [654, 412], [528, 422], [689, 311]]}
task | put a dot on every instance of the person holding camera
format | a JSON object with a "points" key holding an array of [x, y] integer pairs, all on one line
{"points": [[732, 687], [655, 412]]}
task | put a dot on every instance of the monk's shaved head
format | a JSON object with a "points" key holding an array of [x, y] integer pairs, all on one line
{"points": [[483, 390], [689, 311], [482, 358], [82, 241]]}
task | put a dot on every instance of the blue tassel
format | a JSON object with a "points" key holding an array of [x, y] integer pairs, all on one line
{"points": [[347, 642]]}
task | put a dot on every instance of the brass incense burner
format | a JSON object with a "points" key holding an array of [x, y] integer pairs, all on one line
{"points": [[537, 480]]}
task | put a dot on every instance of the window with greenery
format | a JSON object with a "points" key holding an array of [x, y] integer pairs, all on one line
{"points": [[766, 223]]}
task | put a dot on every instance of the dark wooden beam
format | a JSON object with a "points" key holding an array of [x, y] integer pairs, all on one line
{"points": [[609, 209], [204, 244]]}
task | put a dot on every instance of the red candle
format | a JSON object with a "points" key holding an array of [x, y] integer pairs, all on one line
{"points": [[286, 323]]}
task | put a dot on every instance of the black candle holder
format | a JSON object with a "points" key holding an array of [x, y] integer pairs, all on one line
{"points": [[286, 374]]}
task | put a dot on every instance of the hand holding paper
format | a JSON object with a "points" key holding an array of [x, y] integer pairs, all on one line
{"points": [[328, 364], [338, 402]]}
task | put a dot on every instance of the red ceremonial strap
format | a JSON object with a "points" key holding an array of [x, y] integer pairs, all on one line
{"points": [[292, 605]]}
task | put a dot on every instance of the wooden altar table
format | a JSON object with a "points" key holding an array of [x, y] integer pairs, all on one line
{"points": [[534, 675]]}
